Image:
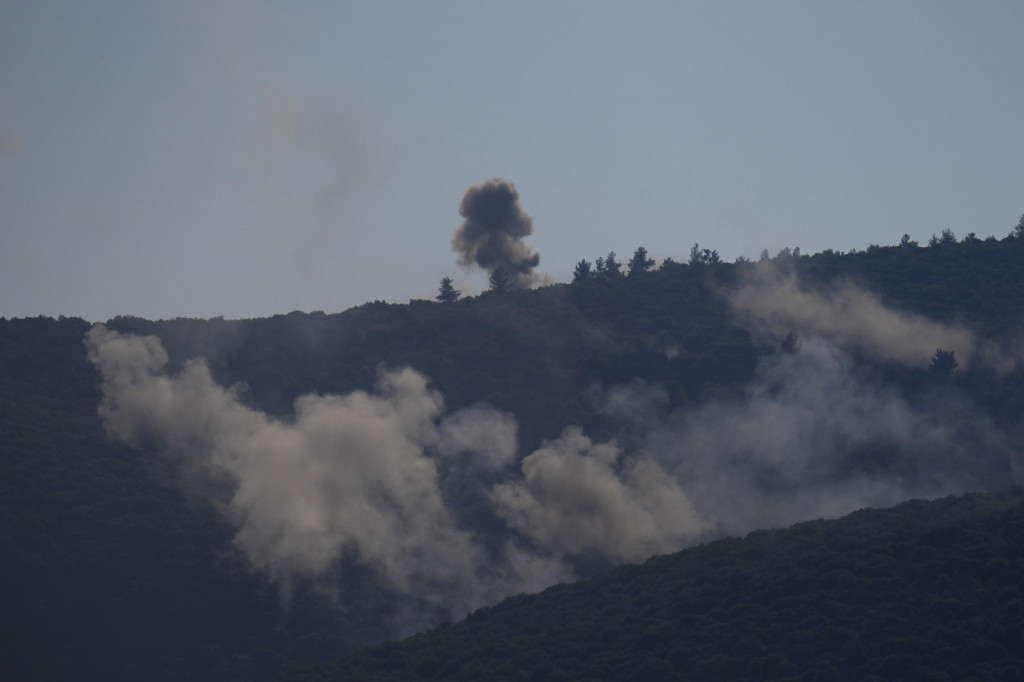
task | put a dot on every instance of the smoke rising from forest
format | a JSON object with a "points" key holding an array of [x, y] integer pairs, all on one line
{"points": [[491, 234], [364, 475], [359, 473], [815, 435], [348, 473], [572, 500], [772, 303]]}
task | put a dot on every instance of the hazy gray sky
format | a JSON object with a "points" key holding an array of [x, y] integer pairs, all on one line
{"points": [[251, 158]]}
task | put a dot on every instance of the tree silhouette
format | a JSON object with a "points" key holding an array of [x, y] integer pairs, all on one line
{"points": [[582, 272], [446, 292], [499, 280], [948, 238], [612, 267], [640, 263], [943, 363], [699, 256]]}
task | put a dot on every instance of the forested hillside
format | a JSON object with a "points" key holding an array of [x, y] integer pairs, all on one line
{"points": [[694, 397], [920, 591]]}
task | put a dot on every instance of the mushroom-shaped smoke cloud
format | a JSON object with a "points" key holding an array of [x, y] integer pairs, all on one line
{"points": [[491, 233]]}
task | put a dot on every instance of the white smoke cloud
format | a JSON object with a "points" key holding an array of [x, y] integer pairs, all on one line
{"points": [[572, 500], [481, 430], [773, 304], [355, 474], [534, 572], [360, 475], [815, 436], [349, 473], [637, 403]]}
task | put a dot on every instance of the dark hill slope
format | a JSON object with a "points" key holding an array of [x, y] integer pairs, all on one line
{"points": [[922, 591]]}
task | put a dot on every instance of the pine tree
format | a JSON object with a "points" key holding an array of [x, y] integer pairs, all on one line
{"points": [[943, 363], [640, 263], [499, 280], [612, 267], [699, 256], [447, 293], [582, 272]]}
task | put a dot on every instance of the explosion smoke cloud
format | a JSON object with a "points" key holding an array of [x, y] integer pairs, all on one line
{"points": [[491, 234]]}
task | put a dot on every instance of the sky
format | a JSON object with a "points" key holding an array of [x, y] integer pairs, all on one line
{"points": [[244, 159]]}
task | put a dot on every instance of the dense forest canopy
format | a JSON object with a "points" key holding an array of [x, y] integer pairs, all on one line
{"points": [[240, 496]]}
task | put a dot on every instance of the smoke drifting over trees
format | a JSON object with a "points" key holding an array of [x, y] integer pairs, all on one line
{"points": [[772, 303], [572, 499], [359, 473], [815, 435], [349, 472], [364, 474], [491, 234]]}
